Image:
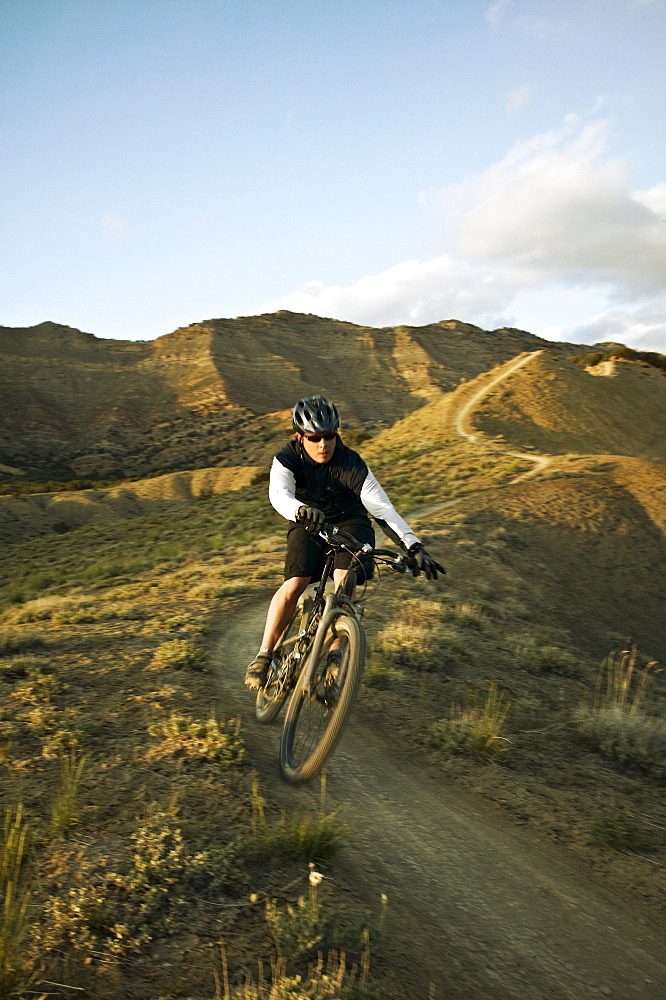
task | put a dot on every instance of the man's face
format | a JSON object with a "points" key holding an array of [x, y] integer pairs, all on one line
{"points": [[321, 450]]}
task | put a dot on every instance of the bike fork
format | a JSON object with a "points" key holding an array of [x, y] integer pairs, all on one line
{"points": [[332, 610]]}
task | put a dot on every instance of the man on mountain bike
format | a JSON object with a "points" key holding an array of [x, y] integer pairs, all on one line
{"points": [[314, 479]]}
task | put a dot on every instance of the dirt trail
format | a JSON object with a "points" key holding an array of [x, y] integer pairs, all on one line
{"points": [[463, 424], [477, 907]]}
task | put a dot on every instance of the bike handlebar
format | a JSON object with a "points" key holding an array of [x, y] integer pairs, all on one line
{"points": [[400, 562]]}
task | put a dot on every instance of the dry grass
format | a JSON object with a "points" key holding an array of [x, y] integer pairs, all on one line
{"points": [[619, 723], [309, 836], [475, 730], [419, 638], [65, 809], [180, 654], [14, 898], [183, 735], [103, 603]]}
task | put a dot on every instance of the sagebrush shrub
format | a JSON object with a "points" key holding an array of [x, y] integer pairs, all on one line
{"points": [[420, 639], [196, 738], [544, 659], [618, 723], [180, 654], [475, 730]]}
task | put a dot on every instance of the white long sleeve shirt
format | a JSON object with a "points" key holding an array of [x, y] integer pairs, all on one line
{"points": [[283, 488]]}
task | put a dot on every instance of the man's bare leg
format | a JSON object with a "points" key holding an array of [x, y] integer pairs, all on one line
{"points": [[283, 605], [338, 577], [282, 608], [280, 612]]}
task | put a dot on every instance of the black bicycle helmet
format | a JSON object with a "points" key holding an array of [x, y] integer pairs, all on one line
{"points": [[315, 415]]}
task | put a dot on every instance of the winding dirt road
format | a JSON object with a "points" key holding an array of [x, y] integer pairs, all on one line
{"points": [[477, 907], [463, 424]]}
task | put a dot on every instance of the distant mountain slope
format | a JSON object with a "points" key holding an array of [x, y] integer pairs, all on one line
{"points": [[558, 408], [77, 406], [43, 513], [588, 533]]}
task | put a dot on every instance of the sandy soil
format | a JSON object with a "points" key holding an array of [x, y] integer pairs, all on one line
{"points": [[477, 907]]}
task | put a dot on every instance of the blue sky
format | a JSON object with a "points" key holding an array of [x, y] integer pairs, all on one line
{"points": [[381, 161]]}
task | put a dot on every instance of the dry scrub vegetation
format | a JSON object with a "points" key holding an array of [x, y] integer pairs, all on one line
{"points": [[140, 857], [137, 848], [518, 707]]}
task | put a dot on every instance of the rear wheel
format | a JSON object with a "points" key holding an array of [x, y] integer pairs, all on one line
{"points": [[272, 696], [315, 718]]}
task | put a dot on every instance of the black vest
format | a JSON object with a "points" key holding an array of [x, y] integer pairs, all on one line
{"points": [[334, 487]]}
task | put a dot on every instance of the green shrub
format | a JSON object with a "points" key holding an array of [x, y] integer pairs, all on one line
{"points": [[112, 566], [15, 592], [652, 358], [23, 666], [544, 659], [380, 675], [614, 829], [629, 740], [19, 642], [308, 836], [475, 730], [617, 724]]}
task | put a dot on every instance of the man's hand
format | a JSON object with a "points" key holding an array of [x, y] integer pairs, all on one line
{"points": [[424, 563], [311, 518]]}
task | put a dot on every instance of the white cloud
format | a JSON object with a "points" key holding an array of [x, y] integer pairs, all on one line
{"points": [[654, 199], [413, 292], [556, 204], [518, 98], [535, 23], [642, 327], [112, 224], [496, 12], [550, 228]]}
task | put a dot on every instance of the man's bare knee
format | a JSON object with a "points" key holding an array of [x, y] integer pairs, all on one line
{"points": [[294, 587]]}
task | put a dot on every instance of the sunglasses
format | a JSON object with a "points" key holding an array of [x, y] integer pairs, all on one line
{"points": [[316, 438]]}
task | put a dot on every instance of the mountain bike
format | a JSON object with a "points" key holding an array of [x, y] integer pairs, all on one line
{"points": [[318, 661]]}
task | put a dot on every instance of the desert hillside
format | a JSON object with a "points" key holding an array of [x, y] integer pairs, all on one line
{"points": [[556, 407], [518, 704], [216, 393], [581, 508]]}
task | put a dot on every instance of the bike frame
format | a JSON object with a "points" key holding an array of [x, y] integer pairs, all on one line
{"points": [[307, 645], [320, 699], [335, 605]]}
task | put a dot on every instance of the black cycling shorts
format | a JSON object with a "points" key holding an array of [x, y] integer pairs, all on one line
{"points": [[306, 553]]}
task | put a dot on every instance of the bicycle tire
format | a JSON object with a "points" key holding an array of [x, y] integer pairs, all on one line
{"points": [[313, 725], [272, 696]]}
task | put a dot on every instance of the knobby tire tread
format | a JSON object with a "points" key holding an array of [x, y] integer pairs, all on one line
{"points": [[296, 771]]}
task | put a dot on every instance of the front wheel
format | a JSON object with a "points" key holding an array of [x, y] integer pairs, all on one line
{"points": [[316, 717], [272, 696]]}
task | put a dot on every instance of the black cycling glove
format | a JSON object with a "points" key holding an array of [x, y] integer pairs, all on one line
{"points": [[311, 518], [424, 563]]}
